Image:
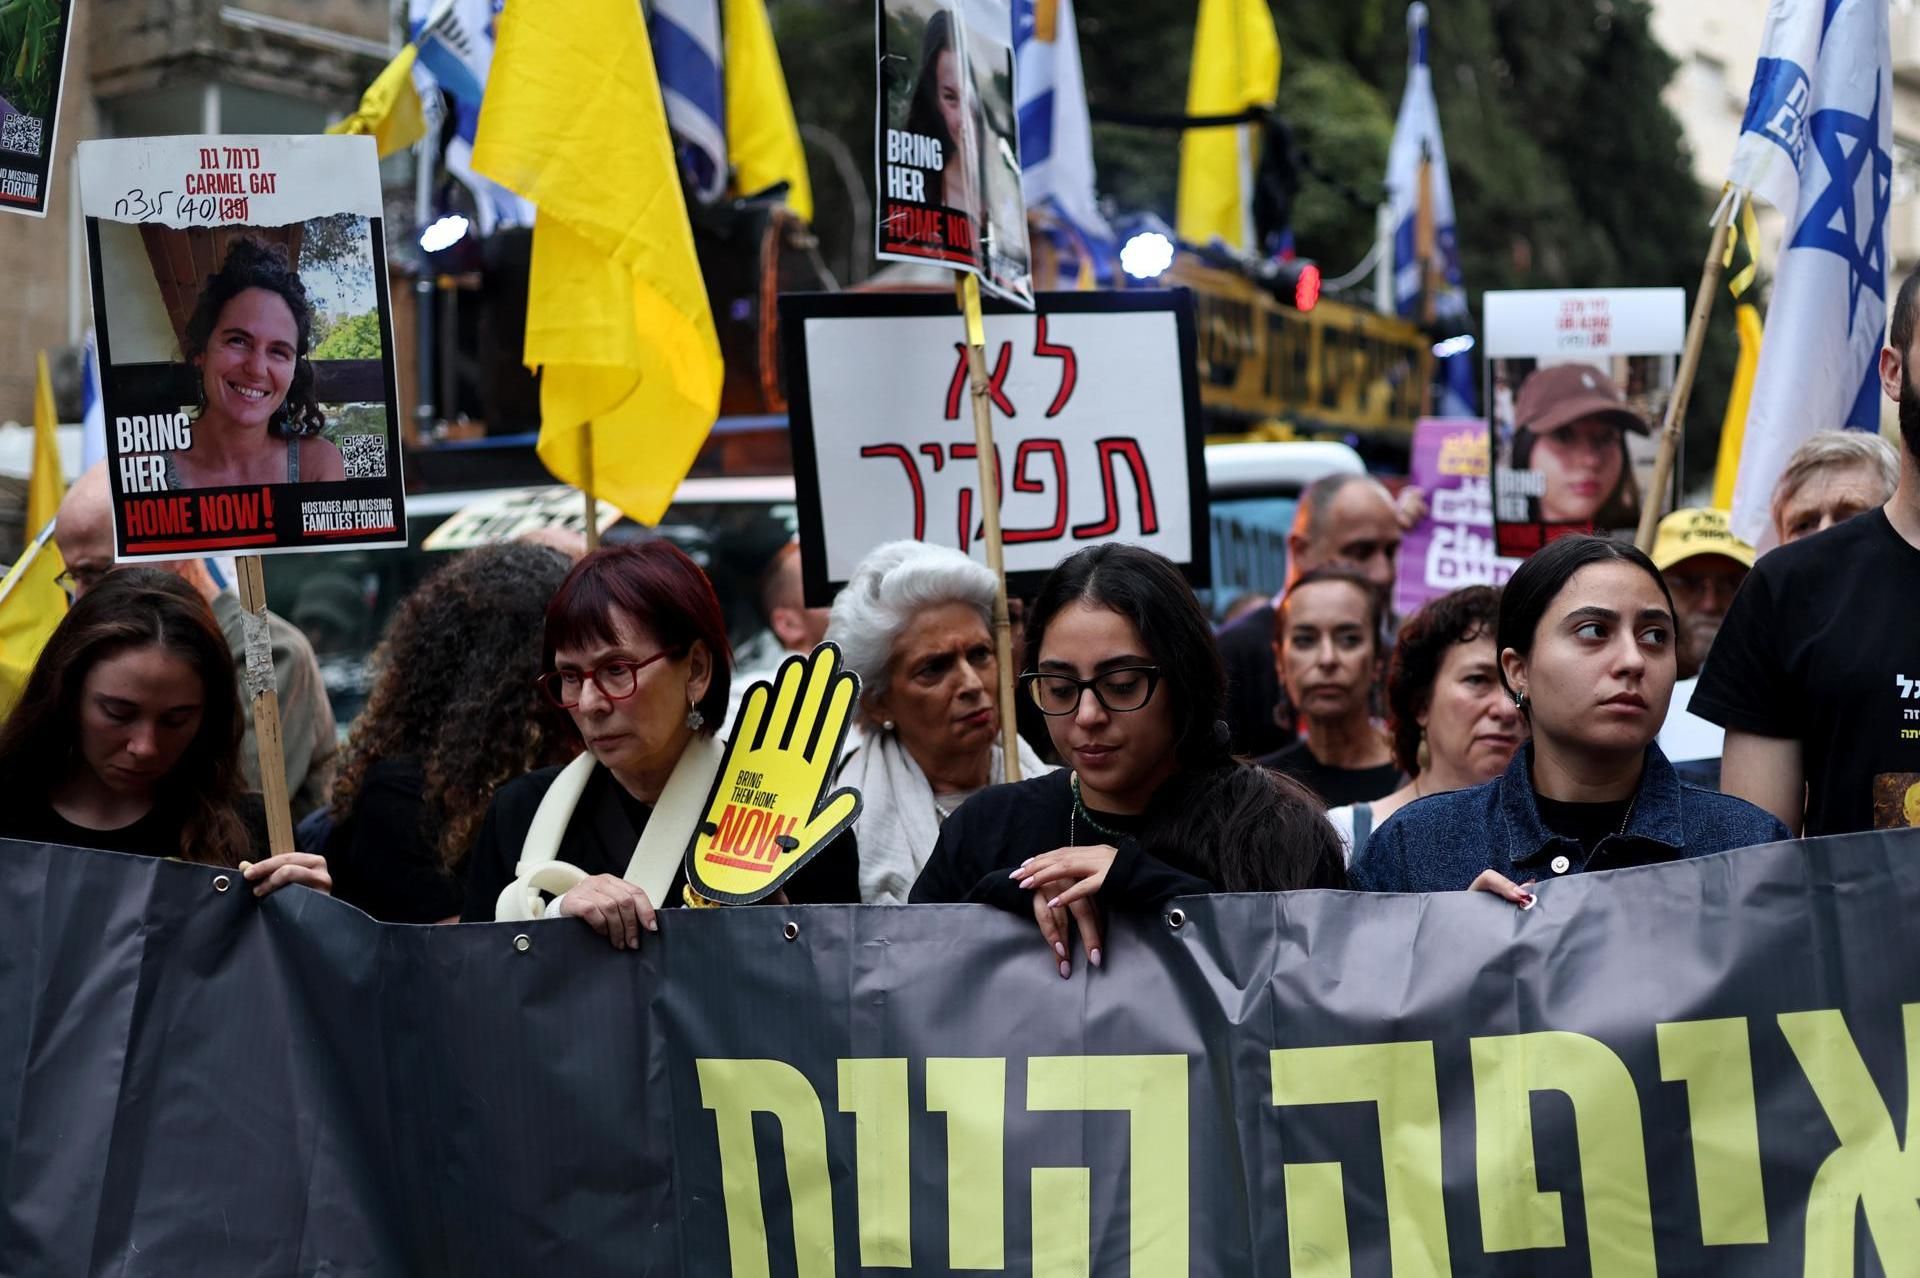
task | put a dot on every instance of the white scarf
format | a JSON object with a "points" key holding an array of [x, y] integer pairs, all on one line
{"points": [[656, 859], [898, 820]]}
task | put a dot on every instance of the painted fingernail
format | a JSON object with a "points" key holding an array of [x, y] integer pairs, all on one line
{"points": [[1094, 957], [1526, 902], [1066, 972], [1059, 949], [1054, 904]]}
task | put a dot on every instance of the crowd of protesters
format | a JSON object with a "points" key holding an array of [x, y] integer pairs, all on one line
{"points": [[543, 727]]}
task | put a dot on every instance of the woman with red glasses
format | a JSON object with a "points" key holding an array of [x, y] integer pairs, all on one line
{"points": [[636, 653], [1150, 804]]}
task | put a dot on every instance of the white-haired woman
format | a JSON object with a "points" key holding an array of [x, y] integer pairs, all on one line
{"points": [[915, 624]]}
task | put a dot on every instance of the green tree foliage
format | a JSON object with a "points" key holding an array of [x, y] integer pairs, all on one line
{"points": [[355, 337], [1568, 169]]}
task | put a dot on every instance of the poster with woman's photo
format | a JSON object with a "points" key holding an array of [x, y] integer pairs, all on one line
{"points": [[1577, 391], [947, 145], [34, 37], [246, 344]]}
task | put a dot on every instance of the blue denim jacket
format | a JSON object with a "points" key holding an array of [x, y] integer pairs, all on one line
{"points": [[1441, 843]]}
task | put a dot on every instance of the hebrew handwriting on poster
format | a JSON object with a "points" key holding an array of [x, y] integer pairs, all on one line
{"points": [[1095, 438]]}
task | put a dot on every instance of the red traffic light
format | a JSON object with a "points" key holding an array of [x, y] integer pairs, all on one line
{"points": [[1306, 287]]}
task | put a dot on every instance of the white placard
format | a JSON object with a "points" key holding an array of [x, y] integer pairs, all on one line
{"points": [[228, 179]]}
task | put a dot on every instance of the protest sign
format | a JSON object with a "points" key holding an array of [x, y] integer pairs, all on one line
{"points": [[1577, 384], [513, 513], [34, 38], [947, 147], [246, 352], [1452, 546], [773, 804], [1101, 416], [1701, 1067]]}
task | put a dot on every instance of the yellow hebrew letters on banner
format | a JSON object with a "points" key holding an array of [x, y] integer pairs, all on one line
{"points": [[770, 809]]}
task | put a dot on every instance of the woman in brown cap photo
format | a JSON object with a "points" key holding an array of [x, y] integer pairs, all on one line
{"points": [[1570, 427]]}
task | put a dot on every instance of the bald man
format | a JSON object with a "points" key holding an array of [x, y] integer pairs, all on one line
{"points": [[1341, 519], [83, 529]]}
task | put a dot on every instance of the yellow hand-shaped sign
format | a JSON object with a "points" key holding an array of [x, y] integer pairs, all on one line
{"points": [[770, 809]]}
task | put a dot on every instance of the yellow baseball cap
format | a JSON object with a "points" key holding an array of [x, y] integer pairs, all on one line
{"points": [[1697, 531]]}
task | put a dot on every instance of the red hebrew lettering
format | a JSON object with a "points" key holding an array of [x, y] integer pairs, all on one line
{"points": [[1108, 524], [996, 381], [1069, 365], [1021, 484], [905, 458], [939, 457]]}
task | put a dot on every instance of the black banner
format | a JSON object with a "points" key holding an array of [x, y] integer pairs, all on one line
{"points": [[1701, 1068]]}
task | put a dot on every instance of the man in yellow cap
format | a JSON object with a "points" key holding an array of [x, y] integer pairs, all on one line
{"points": [[1704, 564]]}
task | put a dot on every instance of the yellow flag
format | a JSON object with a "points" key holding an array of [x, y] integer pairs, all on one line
{"points": [[1236, 65], [31, 605], [1733, 427], [617, 314], [389, 109], [47, 485], [763, 139]]}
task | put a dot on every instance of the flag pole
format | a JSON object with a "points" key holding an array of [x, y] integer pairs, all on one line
{"points": [[586, 487], [264, 695], [1654, 505], [967, 292]]}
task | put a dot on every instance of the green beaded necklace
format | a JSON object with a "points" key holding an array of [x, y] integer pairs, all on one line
{"points": [[1080, 813]]}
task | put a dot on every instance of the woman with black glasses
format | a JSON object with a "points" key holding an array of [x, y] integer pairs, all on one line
{"points": [[636, 654], [1150, 804]]}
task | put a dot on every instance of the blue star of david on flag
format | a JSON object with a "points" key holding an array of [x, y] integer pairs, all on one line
{"points": [[1860, 179]]}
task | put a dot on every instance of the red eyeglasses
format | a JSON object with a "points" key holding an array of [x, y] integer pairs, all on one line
{"points": [[617, 680]]}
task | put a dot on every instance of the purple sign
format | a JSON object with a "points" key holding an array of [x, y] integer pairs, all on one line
{"points": [[1453, 546]]}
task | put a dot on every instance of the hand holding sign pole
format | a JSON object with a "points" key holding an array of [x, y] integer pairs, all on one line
{"points": [[772, 806]]}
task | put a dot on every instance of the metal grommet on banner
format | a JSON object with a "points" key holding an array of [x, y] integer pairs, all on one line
{"points": [[791, 931], [523, 943], [221, 882], [1176, 918]]}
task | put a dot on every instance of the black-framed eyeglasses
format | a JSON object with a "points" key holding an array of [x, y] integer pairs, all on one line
{"points": [[617, 680], [77, 581], [1120, 690]]}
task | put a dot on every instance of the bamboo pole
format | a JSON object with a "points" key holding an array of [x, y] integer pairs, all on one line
{"points": [[264, 696], [1656, 498], [967, 292]]}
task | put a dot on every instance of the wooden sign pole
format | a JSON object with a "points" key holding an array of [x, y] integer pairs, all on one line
{"points": [[586, 488], [264, 695], [967, 291], [1656, 500]]}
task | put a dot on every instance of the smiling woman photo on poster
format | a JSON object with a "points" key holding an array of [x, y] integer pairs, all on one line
{"points": [[257, 421], [946, 107]]}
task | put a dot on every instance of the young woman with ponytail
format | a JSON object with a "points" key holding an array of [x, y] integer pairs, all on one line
{"points": [[1150, 804]]}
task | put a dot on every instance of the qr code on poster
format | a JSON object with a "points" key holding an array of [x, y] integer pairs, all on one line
{"points": [[365, 455], [20, 134]]}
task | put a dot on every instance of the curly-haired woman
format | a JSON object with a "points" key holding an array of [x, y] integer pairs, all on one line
{"points": [[258, 420], [448, 723]]}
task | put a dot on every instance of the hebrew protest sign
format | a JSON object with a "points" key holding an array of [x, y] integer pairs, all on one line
{"points": [[1097, 413], [1452, 546], [947, 143], [246, 344], [1703, 1067], [1577, 386]]}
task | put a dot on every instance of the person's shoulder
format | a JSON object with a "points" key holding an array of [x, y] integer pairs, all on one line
{"points": [[401, 775], [321, 459], [1446, 810], [1253, 630], [1830, 555], [1287, 758], [288, 639], [1013, 800], [526, 791], [1716, 822]]}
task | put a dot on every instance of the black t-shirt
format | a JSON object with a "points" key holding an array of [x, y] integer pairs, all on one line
{"points": [[1253, 683], [600, 838], [383, 857], [1584, 823], [31, 818], [1822, 646], [1003, 825], [1336, 787]]}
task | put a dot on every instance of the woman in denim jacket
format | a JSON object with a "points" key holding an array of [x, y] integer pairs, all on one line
{"points": [[1587, 653]]}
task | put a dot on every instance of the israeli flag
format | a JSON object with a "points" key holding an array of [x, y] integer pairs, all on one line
{"points": [[1056, 133], [1817, 144], [689, 58], [455, 40], [1416, 137], [93, 417]]}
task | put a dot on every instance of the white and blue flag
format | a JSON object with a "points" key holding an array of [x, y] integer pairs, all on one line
{"points": [[1056, 133], [1416, 137], [1817, 144], [455, 40], [93, 417], [688, 57]]}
